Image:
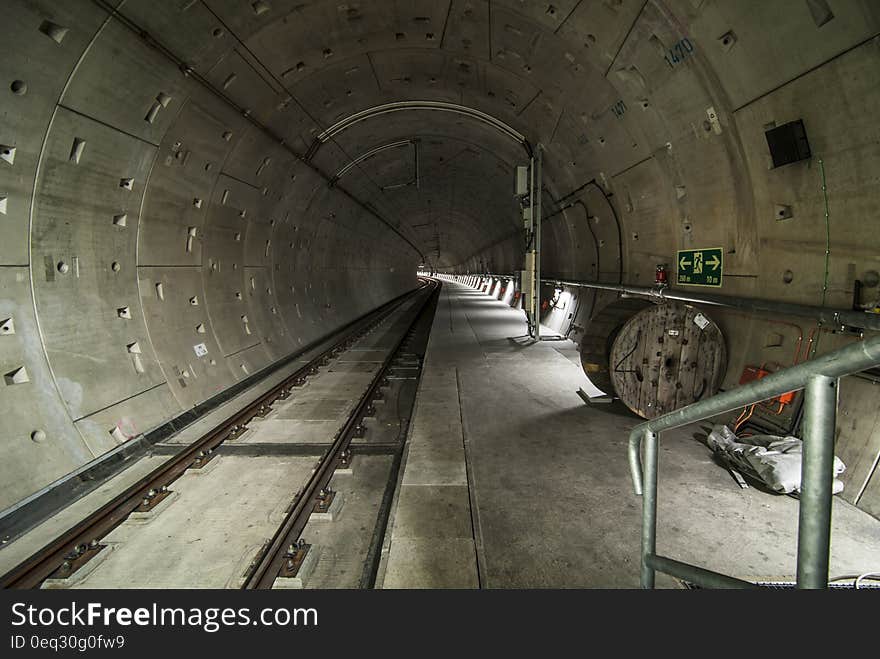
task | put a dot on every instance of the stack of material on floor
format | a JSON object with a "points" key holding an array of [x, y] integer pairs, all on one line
{"points": [[769, 459]]}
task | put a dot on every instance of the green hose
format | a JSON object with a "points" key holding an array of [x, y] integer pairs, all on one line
{"points": [[827, 231], [827, 251]]}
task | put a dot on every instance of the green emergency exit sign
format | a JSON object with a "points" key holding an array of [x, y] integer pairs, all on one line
{"points": [[700, 267]]}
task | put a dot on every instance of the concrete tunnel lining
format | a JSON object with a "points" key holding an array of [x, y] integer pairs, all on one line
{"points": [[147, 210]]}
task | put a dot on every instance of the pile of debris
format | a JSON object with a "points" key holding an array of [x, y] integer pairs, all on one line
{"points": [[768, 459]]}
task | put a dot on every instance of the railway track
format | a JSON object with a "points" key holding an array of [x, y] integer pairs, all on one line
{"points": [[284, 554]]}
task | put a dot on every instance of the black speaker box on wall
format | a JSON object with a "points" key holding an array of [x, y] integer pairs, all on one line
{"points": [[788, 143]]}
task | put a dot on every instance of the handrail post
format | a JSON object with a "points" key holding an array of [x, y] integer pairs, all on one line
{"points": [[635, 459], [649, 508], [817, 475]]}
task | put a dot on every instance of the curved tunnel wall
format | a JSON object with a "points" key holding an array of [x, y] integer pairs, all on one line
{"points": [[654, 142], [163, 186], [157, 246], [679, 149]]}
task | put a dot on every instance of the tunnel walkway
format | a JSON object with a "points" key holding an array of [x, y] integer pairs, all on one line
{"points": [[511, 481]]}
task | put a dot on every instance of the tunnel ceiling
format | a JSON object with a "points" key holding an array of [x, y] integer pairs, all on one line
{"points": [[538, 67], [602, 84]]}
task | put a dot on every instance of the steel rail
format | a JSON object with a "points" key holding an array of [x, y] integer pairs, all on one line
{"points": [[32, 571], [268, 566]]}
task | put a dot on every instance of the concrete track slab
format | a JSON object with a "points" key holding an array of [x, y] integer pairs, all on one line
{"points": [[291, 431], [312, 415], [314, 409], [339, 383], [15, 552], [364, 355], [208, 536], [353, 367]]}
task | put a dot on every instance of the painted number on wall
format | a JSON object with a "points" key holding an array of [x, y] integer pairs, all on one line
{"points": [[679, 52]]}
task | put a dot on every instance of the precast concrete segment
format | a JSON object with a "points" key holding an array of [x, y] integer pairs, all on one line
{"points": [[550, 487]]}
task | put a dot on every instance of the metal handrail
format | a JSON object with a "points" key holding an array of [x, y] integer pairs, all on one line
{"points": [[819, 378]]}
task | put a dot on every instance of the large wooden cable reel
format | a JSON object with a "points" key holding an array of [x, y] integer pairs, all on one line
{"points": [[666, 356], [596, 343]]}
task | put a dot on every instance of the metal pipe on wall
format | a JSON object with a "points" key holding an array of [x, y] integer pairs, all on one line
{"points": [[832, 317], [826, 316]]}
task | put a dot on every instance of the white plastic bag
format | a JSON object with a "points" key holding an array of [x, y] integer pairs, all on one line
{"points": [[771, 459]]}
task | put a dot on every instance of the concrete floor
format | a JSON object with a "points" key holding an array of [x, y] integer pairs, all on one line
{"points": [[512, 481]]}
